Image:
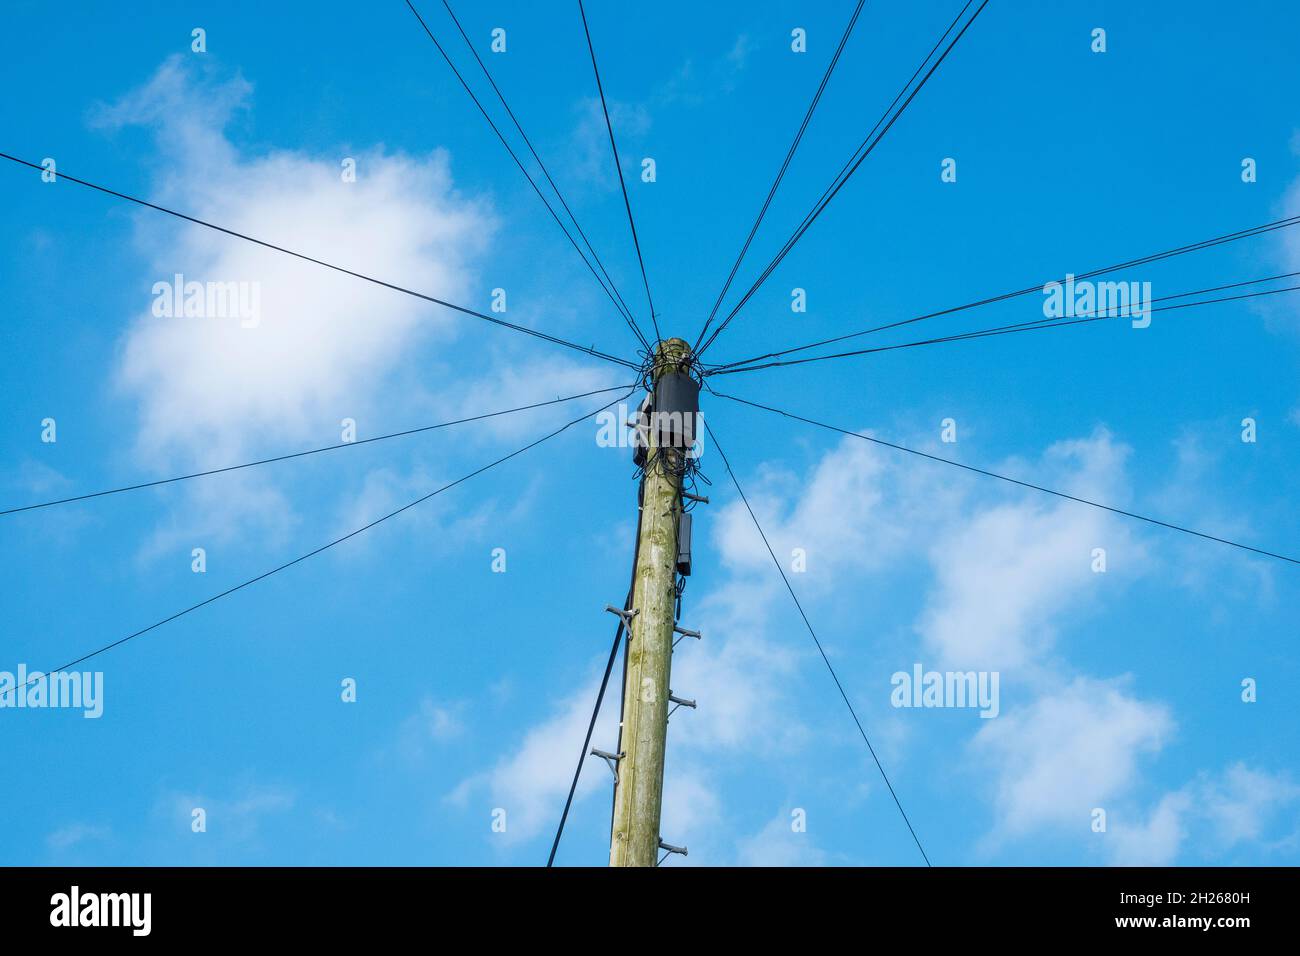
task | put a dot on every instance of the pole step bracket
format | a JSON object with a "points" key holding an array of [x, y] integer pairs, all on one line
{"points": [[611, 760], [626, 615], [669, 849], [679, 702], [685, 632]]}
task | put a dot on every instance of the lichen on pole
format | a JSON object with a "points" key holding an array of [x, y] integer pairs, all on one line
{"points": [[638, 796]]}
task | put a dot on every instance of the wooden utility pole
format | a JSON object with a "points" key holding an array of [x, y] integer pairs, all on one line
{"points": [[638, 795]]}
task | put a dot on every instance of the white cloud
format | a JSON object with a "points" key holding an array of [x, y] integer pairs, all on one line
{"points": [[1004, 571], [326, 346], [427, 731], [447, 519], [592, 160], [514, 385], [1285, 315], [690, 87], [435, 722], [692, 809], [1198, 566], [1239, 802], [216, 510], [742, 711], [39, 479], [1222, 811], [738, 675], [238, 818], [738, 56], [1289, 240], [1288, 251], [1075, 748], [1156, 841], [1008, 574], [857, 508], [74, 834], [778, 845], [1005, 575], [326, 342], [531, 783], [33, 481]]}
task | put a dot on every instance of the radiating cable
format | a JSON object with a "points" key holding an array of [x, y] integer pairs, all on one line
{"points": [[808, 624], [798, 138], [1014, 481], [302, 454], [591, 726], [624, 310], [1144, 260], [328, 265], [865, 150], [618, 166], [1031, 326], [325, 547]]}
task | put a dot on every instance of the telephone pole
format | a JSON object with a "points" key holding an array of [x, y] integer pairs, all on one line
{"points": [[638, 794]]}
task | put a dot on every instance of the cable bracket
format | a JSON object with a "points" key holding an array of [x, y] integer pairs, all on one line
{"points": [[626, 615], [686, 632], [678, 702], [611, 760]]}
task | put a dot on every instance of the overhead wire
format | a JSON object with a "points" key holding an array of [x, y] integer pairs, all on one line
{"points": [[600, 695], [302, 454], [1248, 233], [627, 312], [1015, 481], [821, 650], [864, 150], [794, 145], [627, 317], [587, 350], [618, 166], [591, 726], [325, 547], [1096, 315]]}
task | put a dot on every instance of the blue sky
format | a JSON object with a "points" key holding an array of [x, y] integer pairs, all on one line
{"points": [[1119, 691]]}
